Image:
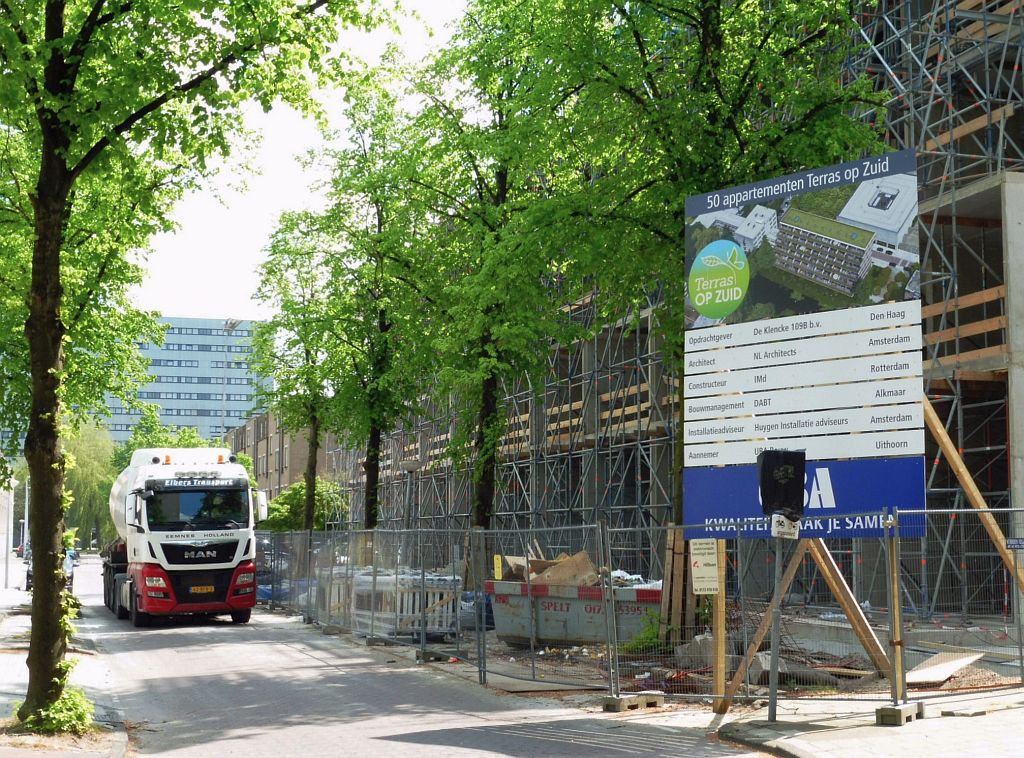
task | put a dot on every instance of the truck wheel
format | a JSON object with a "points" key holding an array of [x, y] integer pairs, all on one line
{"points": [[109, 595], [241, 617], [122, 612], [139, 619]]}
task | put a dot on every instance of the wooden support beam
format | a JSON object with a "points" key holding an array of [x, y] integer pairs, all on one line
{"points": [[722, 704], [719, 629], [679, 585], [974, 497], [969, 127], [666, 585], [854, 613], [965, 301], [967, 330]]}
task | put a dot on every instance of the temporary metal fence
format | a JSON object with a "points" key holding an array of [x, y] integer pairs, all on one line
{"points": [[548, 607]]}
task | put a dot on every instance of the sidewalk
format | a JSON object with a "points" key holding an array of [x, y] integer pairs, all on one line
{"points": [[110, 739], [986, 723]]}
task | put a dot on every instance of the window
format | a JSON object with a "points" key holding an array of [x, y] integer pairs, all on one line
{"points": [[883, 199]]}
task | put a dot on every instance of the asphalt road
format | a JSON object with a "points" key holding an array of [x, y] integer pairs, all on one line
{"points": [[277, 688]]}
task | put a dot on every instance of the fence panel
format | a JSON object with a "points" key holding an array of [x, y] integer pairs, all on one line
{"points": [[484, 597], [542, 590], [961, 599], [834, 618]]}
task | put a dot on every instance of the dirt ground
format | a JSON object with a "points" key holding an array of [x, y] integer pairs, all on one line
{"points": [[12, 734]]}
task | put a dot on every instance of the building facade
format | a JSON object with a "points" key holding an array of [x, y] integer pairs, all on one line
{"points": [[201, 377], [279, 458]]}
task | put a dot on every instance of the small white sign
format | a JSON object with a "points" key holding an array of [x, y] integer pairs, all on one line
{"points": [[826, 347], [796, 327], [818, 448], [704, 566], [860, 369], [783, 527], [803, 399]]}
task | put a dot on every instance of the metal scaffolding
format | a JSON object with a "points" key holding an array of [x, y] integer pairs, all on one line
{"points": [[595, 441]]}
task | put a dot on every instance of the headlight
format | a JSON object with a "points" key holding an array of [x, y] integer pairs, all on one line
{"points": [[246, 577], [155, 581]]}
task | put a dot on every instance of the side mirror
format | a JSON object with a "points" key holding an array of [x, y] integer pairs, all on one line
{"points": [[261, 505]]}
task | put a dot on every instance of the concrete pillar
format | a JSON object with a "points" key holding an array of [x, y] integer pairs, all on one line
{"points": [[1013, 271]]}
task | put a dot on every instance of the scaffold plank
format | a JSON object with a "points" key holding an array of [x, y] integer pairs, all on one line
{"points": [[964, 301], [966, 330], [969, 356], [969, 127]]}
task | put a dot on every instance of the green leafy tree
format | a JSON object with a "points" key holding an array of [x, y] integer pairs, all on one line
{"points": [[101, 92], [149, 431], [89, 478], [287, 510], [383, 277], [295, 348], [715, 95], [492, 161]]}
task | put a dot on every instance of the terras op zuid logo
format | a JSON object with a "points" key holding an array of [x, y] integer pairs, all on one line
{"points": [[718, 279]]}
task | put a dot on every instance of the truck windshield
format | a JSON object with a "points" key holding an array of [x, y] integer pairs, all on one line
{"points": [[198, 509]]}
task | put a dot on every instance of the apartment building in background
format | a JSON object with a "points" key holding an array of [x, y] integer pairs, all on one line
{"points": [[201, 377], [279, 458]]}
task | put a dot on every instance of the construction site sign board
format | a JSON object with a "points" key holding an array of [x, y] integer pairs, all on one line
{"points": [[803, 332], [704, 566]]}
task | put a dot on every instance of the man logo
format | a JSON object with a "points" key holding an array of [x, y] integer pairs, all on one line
{"points": [[194, 554]]}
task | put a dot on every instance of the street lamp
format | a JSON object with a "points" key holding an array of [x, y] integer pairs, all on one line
{"points": [[229, 328]]}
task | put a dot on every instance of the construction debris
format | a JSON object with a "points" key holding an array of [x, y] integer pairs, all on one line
{"points": [[939, 668], [565, 570]]}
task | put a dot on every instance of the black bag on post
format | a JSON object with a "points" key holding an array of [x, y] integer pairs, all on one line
{"points": [[780, 476]]}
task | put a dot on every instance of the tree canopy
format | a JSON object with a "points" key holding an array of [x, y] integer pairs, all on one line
{"points": [[108, 111], [286, 512]]}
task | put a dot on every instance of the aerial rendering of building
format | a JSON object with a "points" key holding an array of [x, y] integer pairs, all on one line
{"points": [[827, 252], [886, 206], [749, 231], [200, 378]]}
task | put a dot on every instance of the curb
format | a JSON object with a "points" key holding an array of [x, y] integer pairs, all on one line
{"points": [[756, 737], [113, 723]]}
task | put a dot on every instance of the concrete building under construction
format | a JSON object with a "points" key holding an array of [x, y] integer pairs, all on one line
{"points": [[597, 440]]}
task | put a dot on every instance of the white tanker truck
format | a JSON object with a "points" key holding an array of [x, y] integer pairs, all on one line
{"points": [[185, 518]]}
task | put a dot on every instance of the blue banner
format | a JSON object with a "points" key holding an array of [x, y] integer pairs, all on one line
{"points": [[841, 498]]}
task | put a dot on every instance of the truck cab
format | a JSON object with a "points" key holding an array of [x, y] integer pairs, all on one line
{"points": [[187, 520]]}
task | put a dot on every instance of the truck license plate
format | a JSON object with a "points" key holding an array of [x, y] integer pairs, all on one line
{"points": [[201, 589]]}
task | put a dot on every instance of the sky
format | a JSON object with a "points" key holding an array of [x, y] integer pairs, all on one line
{"points": [[207, 268]]}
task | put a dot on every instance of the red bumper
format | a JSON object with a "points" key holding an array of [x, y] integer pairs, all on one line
{"points": [[157, 594]]}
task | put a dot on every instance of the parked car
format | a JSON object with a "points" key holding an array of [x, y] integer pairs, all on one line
{"points": [[470, 605]]}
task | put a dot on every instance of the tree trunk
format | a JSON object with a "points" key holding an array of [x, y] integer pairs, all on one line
{"points": [[372, 468], [44, 333], [309, 508], [488, 435]]}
